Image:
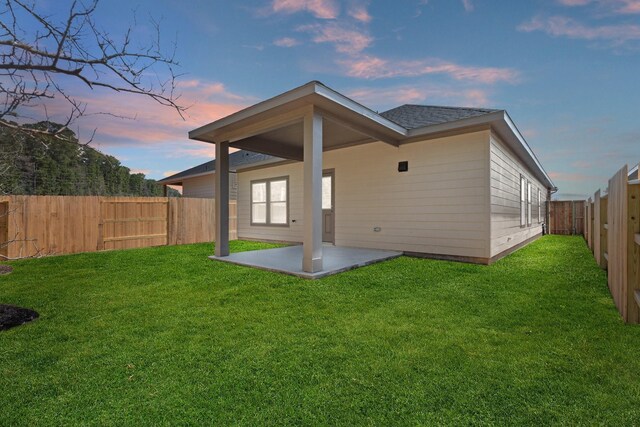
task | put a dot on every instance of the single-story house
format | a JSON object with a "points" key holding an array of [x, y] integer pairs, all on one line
{"points": [[442, 182]]}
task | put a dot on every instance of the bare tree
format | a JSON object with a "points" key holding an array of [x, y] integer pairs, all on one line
{"points": [[39, 57]]}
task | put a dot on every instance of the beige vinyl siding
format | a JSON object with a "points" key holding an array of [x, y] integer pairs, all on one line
{"points": [[506, 170], [440, 206], [204, 186]]}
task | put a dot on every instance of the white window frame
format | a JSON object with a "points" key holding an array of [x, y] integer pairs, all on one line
{"points": [[267, 182], [529, 194], [523, 201]]}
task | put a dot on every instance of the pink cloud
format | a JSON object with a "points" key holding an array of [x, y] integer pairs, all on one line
{"points": [[286, 42], [359, 12], [324, 9], [559, 26], [152, 123], [201, 150], [468, 5], [148, 122], [346, 39], [388, 97], [169, 173], [574, 2], [142, 171], [623, 7], [372, 67], [629, 7]]}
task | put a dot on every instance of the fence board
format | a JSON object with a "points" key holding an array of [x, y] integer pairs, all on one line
{"points": [[617, 239], [604, 231], [633, 252], [591, 224], [48, 225], [597, 226], [585, 210]]}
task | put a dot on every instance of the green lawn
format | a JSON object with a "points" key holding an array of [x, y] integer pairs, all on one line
{"points": [[166, 336]]}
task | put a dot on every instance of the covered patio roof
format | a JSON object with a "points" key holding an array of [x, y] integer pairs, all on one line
{"points": [[275, 126]]}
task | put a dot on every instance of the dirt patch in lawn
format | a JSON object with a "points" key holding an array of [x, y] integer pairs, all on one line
{"points": [[5, 269], [11, 316]]}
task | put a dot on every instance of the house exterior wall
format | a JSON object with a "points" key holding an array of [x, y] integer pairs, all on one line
{"points": [[506, 169], [204, 186], [440, 206]]}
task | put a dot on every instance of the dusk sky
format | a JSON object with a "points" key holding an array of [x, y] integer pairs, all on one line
{"points": [[567, 71]]}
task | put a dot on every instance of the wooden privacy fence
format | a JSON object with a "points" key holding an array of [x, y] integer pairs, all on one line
{"points": [[613, 235], [54, 225], [566, 217]]}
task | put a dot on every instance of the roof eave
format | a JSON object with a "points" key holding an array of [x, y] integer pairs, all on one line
{"points": [[311, 89], [499, 119]]}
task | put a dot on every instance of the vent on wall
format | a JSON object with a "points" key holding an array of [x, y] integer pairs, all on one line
{"points": [[403, 166]]}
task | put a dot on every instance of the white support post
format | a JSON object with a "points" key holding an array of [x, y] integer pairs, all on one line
{"points": [[312, 233], [222, 199]]}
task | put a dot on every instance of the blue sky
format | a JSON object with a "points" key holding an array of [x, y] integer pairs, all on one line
{"points": [[567, 71]]}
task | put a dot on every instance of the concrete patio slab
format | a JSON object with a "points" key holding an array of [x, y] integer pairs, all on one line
{"points": [[288, 260]]}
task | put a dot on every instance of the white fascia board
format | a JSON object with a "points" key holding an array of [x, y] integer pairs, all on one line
{"points": [[525, 146]]}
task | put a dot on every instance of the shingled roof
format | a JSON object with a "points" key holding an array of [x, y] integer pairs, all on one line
{"points": [[416, 116], [236, 160]]}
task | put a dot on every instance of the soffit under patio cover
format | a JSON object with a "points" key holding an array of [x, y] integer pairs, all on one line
{"points": [[275, 126]]}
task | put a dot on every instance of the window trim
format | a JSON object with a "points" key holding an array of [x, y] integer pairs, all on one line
{"points": [[523, 201], [529, 204], [267, 182]]}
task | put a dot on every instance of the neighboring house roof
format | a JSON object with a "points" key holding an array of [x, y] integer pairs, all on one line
{"points": [[237, 160], [416, 116]]}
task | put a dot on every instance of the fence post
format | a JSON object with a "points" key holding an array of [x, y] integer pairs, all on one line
{"points": [[585, 217], [597, 227]]}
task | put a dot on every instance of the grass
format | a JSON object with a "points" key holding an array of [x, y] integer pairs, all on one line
{"points": [[166, 336]]}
